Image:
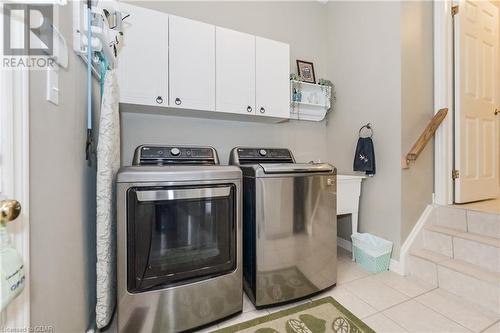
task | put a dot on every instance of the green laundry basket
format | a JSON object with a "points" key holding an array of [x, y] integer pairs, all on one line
{"points": [[371, 252]]}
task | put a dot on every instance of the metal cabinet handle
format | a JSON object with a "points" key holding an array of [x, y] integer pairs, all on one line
{"points": [[262, 110], [9, 210], [178, 101], [249, 108], [159, 100]]}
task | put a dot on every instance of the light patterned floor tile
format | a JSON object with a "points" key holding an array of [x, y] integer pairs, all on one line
{"points": [[411, 287], [247, 304], [493, 329], [243, 317], [416, 317], [381, 324], [348, 270], [357, 306], [458, 310], [375, 293]]}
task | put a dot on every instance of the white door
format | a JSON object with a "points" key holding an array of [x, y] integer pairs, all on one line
{"points": [[143, 60], [14, 169], [235, 71], [192, 64], [272, 78], [476, 83]]}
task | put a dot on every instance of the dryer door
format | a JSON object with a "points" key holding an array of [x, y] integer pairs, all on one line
{"points": [[179, 234]]}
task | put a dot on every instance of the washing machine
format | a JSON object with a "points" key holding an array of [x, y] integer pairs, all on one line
{"points": [[289, 225], [179, 245]]}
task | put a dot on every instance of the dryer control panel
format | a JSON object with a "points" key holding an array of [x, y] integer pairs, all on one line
{"points": [[170, 155]]}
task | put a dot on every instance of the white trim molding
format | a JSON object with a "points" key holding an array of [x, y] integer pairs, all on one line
{"points": [[443, 98], [395, 266], [14, 178], [405, 249]]}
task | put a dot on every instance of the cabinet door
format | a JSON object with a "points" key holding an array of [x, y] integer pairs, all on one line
{"points": [[272, 78], [192, 64], [235, 72], [143, 57]]}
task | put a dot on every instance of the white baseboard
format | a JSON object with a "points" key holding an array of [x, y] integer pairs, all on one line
{"points": [[405, 248], [395, 266], [344, 243]]}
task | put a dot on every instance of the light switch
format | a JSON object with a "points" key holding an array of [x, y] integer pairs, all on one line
{"points": [[53, 84]]}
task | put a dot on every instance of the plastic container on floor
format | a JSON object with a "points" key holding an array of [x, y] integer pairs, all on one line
{"points": [[371, 252]]}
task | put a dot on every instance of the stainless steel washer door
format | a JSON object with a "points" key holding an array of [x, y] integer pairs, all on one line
{"points": [[296, 236]]}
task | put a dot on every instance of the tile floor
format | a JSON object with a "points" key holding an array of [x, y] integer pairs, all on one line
{"points": [[487, 206], [388, 302]]}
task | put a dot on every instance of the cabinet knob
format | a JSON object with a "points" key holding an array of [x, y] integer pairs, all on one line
{"points": [[249, 108], [497, 112], [178, 101], [262, 110], [159, 100]]}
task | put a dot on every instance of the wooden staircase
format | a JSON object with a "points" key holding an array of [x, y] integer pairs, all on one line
{"points": [[458, 250]]}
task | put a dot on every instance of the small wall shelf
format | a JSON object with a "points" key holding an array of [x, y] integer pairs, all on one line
{"points": [[314, 101]]}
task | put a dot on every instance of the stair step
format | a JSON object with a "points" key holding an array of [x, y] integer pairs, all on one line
{"points": [[450, 217], [430, 255], [468, 281], [443, 230], [471, 283], [486, 224], [476, 249], [438, 239], [459, 265], [472, 271], [486, 240]]}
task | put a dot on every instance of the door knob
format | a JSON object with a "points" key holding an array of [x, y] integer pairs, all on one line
{"points": [[9, 210]]}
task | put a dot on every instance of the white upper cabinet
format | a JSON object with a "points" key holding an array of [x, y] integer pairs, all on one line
{"points": [[235, 71], [272, 78], [179, 63], [192, 64], [143, 59]]}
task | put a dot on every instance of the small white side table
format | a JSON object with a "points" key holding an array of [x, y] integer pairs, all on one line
{"points": [[348, 193]]}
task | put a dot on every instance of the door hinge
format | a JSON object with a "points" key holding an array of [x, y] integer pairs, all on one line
{"points": [[454, 10], [455, 174]]}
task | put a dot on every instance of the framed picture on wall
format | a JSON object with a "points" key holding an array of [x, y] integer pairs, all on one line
{"points": [[306, 71]]}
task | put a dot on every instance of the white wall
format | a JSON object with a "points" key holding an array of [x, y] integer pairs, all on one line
{"points": [[417, 108], [62, 200], [364, 62], [301, 24]]}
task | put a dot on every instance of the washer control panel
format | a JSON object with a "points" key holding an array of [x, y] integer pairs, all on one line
{"points": [[167, 155], [260, 155]]}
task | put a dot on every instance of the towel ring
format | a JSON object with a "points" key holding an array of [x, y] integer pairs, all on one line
{"points": [[369, 128]]}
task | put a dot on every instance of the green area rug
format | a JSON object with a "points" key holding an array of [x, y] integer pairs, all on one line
{"points": [[321, 316]]}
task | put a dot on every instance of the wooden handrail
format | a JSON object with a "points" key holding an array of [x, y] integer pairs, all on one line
{"points": [[424, 138]]}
